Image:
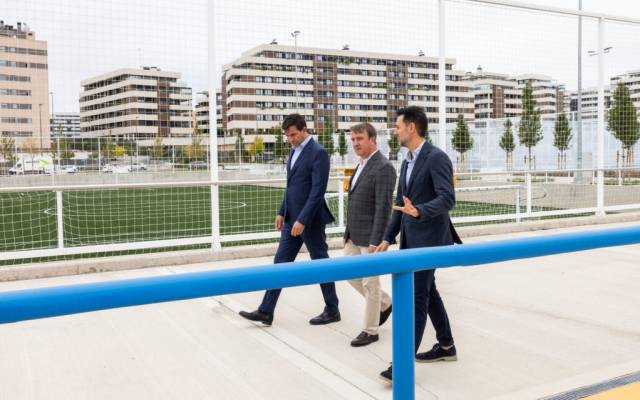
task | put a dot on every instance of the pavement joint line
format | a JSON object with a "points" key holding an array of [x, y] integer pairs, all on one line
{"points": [[346, 381]]}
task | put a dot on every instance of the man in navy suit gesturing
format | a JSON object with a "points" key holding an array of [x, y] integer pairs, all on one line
{"points": [[424, 198], [302, 217]]}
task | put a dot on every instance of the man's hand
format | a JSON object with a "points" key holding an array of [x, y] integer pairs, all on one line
{"points": [[372, 249], [383, 246], [279, 222], [408, 208], [297, 229]]}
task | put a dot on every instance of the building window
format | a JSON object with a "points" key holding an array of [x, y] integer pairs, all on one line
{"points": [[15, 120]]}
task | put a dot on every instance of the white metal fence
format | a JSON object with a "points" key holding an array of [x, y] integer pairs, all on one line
{"points": [[101, 219]]}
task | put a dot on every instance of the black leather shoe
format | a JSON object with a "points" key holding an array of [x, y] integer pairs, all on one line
{"points": [[364, 339], [384, 315], [437, 353], [387, 375], [258, 316], [325, 318]]}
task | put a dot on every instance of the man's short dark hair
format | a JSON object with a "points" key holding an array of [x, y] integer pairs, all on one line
{"points": [[416, 115], [296, 120]]}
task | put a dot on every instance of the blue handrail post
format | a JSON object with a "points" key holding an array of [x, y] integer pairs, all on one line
{"points": [[403, 336]]}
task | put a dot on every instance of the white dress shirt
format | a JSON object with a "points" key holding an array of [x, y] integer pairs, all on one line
{"points": [[411, 161], [361, 166], [297, 150]]}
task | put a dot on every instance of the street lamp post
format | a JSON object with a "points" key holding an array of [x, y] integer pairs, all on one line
{"points": [[295, 35], [54, 131], [579, 119], [40, 118]]}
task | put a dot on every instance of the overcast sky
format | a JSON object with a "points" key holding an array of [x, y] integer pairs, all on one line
{"points": [[91, 37]]}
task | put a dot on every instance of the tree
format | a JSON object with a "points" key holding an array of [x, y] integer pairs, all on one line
{"points": [[239, 148], [530, 129], [118, 151], [8, 149], [107, 147], [281, 146], [195, 151], [394, 146], [623, 121], [461, 140], [562, 139], [65, 149], [31, 148], [157, 149], [256, 148], [325, 137], [508, 143], [342, 144]]}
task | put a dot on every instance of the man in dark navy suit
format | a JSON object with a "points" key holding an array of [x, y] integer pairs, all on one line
{"points": [[302, 217], [425, 195]]}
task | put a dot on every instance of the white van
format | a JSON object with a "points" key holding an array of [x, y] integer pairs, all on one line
{"points": [[35, 165]]}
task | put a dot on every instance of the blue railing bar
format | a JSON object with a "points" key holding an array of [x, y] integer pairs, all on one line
{"points": [[403, 332], [62, 300]]}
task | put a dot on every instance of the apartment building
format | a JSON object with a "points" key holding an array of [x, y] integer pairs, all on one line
{"points": [[632, 80], [495, 95], [548, 94], [589, 103], [24, 87], [143, 103], [202, 111], [65, 123], [341, 87]]}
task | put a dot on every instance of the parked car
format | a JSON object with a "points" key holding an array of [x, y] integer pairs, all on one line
{"points": [[69, 169], [116, 168], [198, 165], [107, 168], [138, 166]]}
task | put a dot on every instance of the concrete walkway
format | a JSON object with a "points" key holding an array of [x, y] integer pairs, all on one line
{"points": [[524, 330]]}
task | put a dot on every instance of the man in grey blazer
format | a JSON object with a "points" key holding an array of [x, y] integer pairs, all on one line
{"points": [[370, 200]]}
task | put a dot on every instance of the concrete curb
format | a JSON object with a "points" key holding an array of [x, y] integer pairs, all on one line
{"points": [[118, 263]]}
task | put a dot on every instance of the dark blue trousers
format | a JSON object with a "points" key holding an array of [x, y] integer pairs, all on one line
{"points": [[315, 239], [427, 302]]}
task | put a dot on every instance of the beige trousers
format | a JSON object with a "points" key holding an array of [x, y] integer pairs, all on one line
{"points": [[376, 299]]}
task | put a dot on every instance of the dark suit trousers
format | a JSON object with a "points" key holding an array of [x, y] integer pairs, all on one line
{"points": [[427, 301], [315, 239]]}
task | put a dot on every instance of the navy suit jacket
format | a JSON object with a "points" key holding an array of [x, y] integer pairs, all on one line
{"points": [[431, 191], [306, 186]]}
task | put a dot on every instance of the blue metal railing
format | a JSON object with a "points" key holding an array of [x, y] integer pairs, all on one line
{"points": [[63, 300]]}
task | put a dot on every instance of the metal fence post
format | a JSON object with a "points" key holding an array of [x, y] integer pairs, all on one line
{"points": [[59, 219], [529, 191], [341, 195], [403, 337], [600, 133], [442, 81], [518, 218], [213, 131]]}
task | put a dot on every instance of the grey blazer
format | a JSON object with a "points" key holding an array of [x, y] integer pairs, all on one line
{"points": [[370, 201]]}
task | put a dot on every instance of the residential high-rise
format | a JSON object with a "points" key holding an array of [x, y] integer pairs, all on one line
{"points": [[143, 103], [24, 87], [67, 123], [340, 87], [632, 80], [548, 94], [589, 103], [495, 95]]}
